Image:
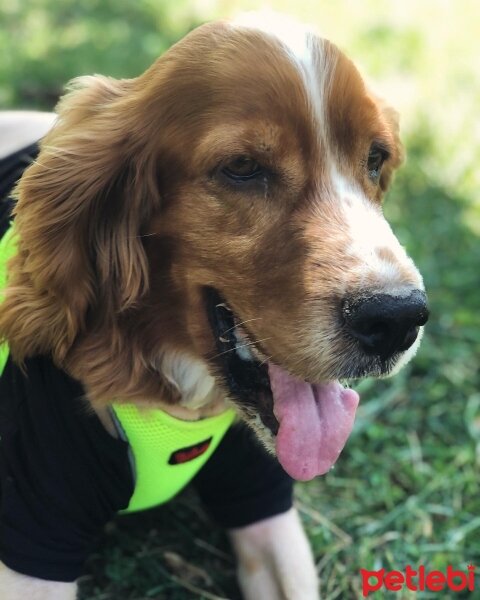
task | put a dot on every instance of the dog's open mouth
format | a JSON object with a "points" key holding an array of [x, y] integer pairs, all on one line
{"points": [[309, 423]]}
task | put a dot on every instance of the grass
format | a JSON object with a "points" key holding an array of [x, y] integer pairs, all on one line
{"points": [[406, 489]]}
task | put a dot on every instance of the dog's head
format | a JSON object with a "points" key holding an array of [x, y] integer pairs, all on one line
{"points": [[215, 227]]}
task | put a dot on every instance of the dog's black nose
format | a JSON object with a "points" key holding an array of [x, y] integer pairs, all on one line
{"points": [[384, 324]]}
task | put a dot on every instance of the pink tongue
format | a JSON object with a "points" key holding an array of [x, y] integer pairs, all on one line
{"points": [[315, 422]]}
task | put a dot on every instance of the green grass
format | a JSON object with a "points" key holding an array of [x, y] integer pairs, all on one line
{"points": [[406, 489]]}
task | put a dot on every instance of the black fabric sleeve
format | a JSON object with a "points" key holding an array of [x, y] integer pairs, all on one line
{"points": [[242, 483], [62, 476]]}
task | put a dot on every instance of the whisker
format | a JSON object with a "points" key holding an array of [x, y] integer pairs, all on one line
{"points": [[142, 235], [242, 346], [265, 360], [239, 324]]}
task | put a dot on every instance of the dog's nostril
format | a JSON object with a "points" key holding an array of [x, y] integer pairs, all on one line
{"points": [[384, 324], [380, 337]]}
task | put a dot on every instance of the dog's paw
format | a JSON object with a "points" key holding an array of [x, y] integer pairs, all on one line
{"points": [[275, 561]]}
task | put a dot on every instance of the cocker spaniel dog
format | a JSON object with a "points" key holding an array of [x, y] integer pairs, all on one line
{"points": [[196, 257]]}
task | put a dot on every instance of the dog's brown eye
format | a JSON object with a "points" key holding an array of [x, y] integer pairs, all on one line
{"points": [[376, 157], [242, 168]]}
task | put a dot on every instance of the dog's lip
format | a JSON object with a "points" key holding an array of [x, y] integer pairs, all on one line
{"points": [[247, 377]]}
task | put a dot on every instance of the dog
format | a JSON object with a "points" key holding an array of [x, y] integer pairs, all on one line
{"points": [[204, 240]]}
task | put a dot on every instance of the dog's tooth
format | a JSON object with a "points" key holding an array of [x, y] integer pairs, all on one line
{"points": [[222, 339]]}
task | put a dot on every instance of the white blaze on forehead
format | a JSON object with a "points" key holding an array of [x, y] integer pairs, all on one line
{"points": [[306, 50], [368, 233], [316, 68]]}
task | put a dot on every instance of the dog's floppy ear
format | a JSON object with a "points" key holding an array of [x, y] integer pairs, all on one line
{"points": [[79, 216]]}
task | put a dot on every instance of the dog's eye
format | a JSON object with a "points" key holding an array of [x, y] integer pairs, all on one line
{"points": [[376, 157], [242, 168]]}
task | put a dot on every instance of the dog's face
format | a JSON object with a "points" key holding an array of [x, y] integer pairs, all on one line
{"points": [[241, 233], [275, 218]]}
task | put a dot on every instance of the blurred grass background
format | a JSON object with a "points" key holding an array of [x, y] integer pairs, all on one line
{"points": [[406, 489]]}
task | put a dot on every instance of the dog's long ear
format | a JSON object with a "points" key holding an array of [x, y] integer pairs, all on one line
{"points": [[79, 216]]}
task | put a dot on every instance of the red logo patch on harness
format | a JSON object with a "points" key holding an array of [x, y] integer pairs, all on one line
{"points": [[189, 453]]}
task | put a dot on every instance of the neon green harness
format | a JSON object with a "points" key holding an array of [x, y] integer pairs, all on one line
{"points": [[167, 452]]}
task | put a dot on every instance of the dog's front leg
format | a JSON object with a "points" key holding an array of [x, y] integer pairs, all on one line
{"points": [[15, 586], [275, 561]]}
